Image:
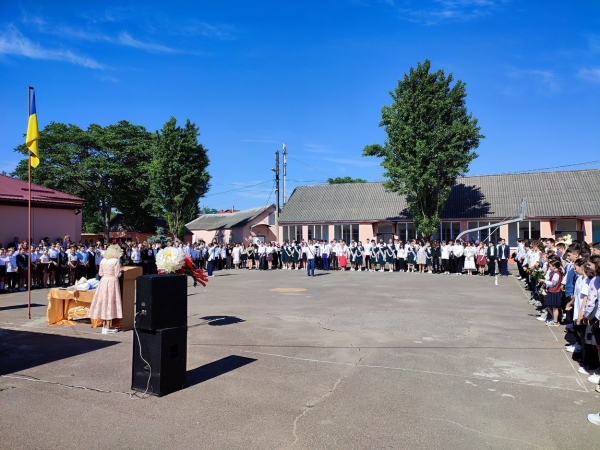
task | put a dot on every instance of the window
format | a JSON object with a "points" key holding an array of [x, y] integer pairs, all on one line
{"points": [[318, 232], [272, 219], [346, 232], [385, 231], [564, 227], [449, 230], [527, 229], [406, 231], [291, 232], [484, 235], [595, 230]]}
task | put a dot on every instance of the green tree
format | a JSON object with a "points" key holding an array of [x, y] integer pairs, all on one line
{"points": [[340, 180], [106, 166], [430, 138], [178, 174], [207, 210]]}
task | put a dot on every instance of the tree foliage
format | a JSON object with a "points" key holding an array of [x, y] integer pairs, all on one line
{"points": [[178, 174], [106, 166], [430, 138], [207, 210], [342, 180]]}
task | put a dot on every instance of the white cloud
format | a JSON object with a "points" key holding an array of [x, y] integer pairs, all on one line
{"points": [[316, 148], [352, 162], [590, 74], [126, 39], [542, 79], [12, 42], [449, 10]]}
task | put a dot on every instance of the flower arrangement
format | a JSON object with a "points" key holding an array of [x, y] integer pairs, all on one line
{"points": [[537, 274], [171, 260], [566, 239]]}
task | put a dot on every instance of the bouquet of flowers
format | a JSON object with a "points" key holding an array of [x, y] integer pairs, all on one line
{"points": [[537, 274], [566, 239], [171, 260]]}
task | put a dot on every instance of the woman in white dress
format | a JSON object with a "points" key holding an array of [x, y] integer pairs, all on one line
{"points": [[469, 254], [237, 255]]}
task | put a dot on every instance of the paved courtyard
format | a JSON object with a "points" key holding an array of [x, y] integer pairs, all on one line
{"points": [[279, 360]]}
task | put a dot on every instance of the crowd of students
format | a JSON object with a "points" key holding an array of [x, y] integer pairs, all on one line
{"points": [[436, 257], [563, 277]]}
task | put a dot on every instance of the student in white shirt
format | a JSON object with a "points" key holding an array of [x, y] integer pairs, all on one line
{"points": [[309, 251], [580, 295], [325, 252], [446, 249], [3, 259], [368, 254], [11, 270]]}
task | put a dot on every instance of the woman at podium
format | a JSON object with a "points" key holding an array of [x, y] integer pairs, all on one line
{"points": [[106, 304]]}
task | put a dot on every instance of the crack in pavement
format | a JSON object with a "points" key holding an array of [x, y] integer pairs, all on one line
{"points": [[308, 408]]}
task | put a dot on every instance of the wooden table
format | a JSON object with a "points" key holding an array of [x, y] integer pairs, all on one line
{"points": [[64, 306]]}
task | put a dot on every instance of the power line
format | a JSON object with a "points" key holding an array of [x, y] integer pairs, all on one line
{"points": [[267, 202], [543, 168], [314, 168], [238, 189]]}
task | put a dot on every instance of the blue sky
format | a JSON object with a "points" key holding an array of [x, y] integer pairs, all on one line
{"points": [[314, 75]]}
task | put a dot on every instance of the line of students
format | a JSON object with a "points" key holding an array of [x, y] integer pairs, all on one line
{"points": [[564, 280], [452, 257]]}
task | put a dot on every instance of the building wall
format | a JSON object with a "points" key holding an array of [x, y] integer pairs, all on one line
{"points": [[547, 228], [240, 234], [45, 222]]}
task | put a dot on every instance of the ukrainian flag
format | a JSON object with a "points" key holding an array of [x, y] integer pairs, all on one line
{"points": [[33, 133]]}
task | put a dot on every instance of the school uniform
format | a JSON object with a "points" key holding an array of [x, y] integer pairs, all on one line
{"points": [[368, 254], [360, 250], [401, 254], [11, 271], [492, 256], [325, 255], [82, 261], [503, 255]]}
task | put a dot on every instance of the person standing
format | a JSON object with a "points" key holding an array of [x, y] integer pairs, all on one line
{"points": [[492, 256], [503, 255], [309, 250], [212, 253], [325, 251], [107, 304]]}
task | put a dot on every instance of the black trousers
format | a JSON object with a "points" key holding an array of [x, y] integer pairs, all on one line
{"points": [[492, 266], [400, 264], [445, 265], [436, 264], [334, 262], [522, 273], [368, 262], [453, 265]]}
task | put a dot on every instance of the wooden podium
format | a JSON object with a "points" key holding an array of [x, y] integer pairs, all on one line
{"points": [[127, 283]]}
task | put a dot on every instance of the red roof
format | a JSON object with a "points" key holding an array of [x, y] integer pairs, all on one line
{"points": [[13, 190]]}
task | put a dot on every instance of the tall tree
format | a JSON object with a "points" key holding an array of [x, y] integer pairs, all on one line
{"points": [[342, 180], [178, 174], [430, 142], [106, 166]]}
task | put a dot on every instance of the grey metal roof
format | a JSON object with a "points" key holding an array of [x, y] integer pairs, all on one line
{"points": [[229, 220], [548, 194]]}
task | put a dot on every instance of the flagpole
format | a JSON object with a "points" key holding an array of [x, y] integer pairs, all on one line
{"points": [[29, 216]]}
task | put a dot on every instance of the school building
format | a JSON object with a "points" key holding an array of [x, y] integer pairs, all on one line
{"points": [[54, 214], [557, 204], [247, 226]]}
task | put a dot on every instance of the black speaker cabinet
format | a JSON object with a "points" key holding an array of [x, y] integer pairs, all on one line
{"points": [[163, 298], [166, 353]]}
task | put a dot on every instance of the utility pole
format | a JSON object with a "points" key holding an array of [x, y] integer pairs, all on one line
{"points": [[276, 170], [284, 173]]}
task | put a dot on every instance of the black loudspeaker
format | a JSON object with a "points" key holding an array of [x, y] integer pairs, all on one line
{"points": [[166, 353], [160, 301]]}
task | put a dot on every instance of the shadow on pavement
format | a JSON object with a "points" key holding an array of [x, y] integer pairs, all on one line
{"points": [[33, 305], [20, 350], [217, 321], [216, 368]]}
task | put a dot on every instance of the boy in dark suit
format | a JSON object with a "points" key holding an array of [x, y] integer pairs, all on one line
{"points": [[503, 255], [492, 255]]}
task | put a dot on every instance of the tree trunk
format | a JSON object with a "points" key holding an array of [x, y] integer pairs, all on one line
{"points": [[106, 216]]}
